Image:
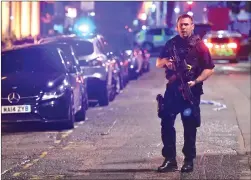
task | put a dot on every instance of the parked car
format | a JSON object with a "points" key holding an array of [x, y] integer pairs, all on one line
{"points": [[223, 45], [121, 65], [139, 62], [39, 85], [70, 57], [244, 53], [152, 38], [146, 62], [97, 67]]}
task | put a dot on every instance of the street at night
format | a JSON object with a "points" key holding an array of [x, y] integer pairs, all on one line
{"points": [[122, 140], [125, 90]]}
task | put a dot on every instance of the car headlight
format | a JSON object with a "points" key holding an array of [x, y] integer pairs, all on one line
{"points": [[58, 92]]}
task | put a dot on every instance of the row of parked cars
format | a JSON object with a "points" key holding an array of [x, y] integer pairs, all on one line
{"points": [[56, 79]]}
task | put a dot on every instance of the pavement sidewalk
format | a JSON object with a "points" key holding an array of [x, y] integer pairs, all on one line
{"points": [[235, 116]]}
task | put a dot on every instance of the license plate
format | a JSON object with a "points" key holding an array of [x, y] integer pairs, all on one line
{"points": [[16, 109], [222, 51]]}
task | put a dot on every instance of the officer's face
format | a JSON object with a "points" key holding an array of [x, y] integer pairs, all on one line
{"points": [[185, 27]]}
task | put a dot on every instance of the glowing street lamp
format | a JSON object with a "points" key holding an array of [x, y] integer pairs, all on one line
{"points": [[143, 16], [189, 5], [189, 2]]}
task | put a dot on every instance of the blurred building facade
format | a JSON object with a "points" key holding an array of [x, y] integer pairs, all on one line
{"points": [[20, 19], [236, 17]]}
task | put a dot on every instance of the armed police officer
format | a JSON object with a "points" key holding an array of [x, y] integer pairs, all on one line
{"points": [[191, 52]]}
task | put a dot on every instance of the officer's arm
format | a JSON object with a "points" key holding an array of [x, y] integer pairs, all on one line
{"points": [[207, 64], [206, 73]]}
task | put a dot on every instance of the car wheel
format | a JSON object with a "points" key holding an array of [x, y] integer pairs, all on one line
{"points": [[148, 46], [148, 67], [113, 91], [119, 84], [135, 75], [80, 116], [71, 118], [103, 97]]}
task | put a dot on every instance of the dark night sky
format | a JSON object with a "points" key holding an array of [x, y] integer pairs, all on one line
{"points": [[115, 15], [111, 19]]}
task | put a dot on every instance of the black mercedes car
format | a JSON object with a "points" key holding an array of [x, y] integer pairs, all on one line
{"points": [[39, 85]]}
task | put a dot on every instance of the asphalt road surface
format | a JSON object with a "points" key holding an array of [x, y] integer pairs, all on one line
{"points": [[122, 140]]}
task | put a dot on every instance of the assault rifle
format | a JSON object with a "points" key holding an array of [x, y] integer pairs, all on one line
{"points": [[181, 69]]}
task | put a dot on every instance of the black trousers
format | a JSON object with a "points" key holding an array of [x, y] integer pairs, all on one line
{"points": [[174, 105]]}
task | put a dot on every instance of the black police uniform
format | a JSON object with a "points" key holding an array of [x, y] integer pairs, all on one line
{"points": [[197, 55]]}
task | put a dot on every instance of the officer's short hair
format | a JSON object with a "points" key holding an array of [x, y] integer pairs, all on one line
{"points": [[184, 16]]}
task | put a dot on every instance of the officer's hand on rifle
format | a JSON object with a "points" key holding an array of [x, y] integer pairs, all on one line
{"points": [[164, 62], [169, 64], [191, 83]]}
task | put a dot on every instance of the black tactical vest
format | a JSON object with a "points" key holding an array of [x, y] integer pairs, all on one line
{"points": [[187, 49]]}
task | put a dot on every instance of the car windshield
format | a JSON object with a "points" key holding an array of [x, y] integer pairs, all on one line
{"points": [[31, 60], [83, 48]]}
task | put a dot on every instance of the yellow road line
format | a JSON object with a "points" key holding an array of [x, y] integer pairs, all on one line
{"points": [[16, 174], [35, 177], [27, 165], [65, 135], [35, 160], [57, 141], [67, 147], [43, 154]]}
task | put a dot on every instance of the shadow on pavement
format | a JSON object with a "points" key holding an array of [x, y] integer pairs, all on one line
{"points": [[208, 166], [116, 170], [31, 127]]}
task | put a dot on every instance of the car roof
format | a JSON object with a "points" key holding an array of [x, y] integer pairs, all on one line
{"points": [[72, 37], [222, 34], [25, 46]]}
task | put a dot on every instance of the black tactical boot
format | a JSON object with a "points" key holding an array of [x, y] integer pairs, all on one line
{"points": [[187, 166], [168, 165]]}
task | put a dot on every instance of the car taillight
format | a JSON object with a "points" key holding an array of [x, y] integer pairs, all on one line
{"points": [[134, 53], [79, 80], [209, 45], [232, 45]]}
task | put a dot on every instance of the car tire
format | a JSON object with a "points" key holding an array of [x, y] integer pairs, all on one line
{"points": [[118, 84], [80, 116], [71, 118], [104, 96], [113, 91], [148, 67], [148, 46]]}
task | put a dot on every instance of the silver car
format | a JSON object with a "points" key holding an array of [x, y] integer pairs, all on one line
{"points": [[99, 71]]}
